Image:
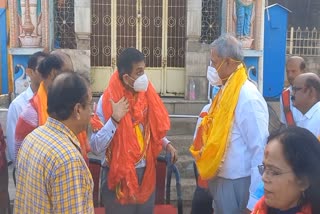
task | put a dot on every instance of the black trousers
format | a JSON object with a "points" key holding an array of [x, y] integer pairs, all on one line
{"points": [[113, 207]]}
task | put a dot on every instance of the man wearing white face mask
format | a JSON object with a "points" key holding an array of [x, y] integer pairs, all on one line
{"points": [[213, 76], [131, 134], [230, 139]]}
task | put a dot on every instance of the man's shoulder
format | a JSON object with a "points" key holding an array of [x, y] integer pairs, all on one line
{"points": [[249, 91], [29, 110], [20, 101], [54, 142], [314, 112]]}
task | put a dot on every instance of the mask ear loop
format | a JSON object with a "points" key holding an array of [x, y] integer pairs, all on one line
{"points": [[132, 80], [242, 62]]}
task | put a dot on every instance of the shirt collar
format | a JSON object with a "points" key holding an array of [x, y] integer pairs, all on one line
{"points": [[29, 92], [53, 123], [313, 110]]}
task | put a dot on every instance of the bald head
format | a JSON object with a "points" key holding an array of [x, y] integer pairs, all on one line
{"points": [[306, 91], [295, 66], [67, 63], [66, 91], [311, 80]]}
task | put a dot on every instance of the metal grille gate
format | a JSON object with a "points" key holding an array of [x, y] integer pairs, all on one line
{"points": [[156, 27], [64, 24]]}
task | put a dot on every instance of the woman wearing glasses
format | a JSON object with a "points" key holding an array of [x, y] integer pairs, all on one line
{"points": [[291, 174]]}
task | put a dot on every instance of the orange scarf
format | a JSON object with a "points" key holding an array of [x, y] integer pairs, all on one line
{"points": [[261, 208], [124, 152], [39, 102]]}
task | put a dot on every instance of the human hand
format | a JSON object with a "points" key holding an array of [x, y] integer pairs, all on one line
{"points": [[173, 152], [119, 109]]}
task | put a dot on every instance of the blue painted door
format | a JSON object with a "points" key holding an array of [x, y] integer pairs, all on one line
{"points": [[3, 53]]}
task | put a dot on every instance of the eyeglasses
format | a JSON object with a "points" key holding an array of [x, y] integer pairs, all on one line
{"points": [[295, 89], [270, 172]]}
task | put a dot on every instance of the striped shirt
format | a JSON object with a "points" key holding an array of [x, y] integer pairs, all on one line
{"points": [[52, 176]]}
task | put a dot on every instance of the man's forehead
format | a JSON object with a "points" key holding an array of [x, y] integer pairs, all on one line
{"points": [[294, 62]]}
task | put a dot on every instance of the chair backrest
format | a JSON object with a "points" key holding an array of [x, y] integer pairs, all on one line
{"points": [[161, 170], [95, 169], [195, 171], [165, 169]]}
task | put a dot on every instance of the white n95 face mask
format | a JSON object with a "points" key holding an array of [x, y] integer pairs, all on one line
{"points": [[141, 83], [213, 76]]}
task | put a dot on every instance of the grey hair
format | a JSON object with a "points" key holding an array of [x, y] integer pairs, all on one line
{"points": [[227, 46]]}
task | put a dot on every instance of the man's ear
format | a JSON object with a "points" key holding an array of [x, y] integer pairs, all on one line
{"points": [[227, 61], [29, 71], [76, 111], [125, 78], [311, 91]]}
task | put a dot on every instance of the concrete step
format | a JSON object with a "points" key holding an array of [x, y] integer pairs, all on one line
{"points": [[180, 106], [185, 166], [182, 144], [188, 186], [182, 126]]}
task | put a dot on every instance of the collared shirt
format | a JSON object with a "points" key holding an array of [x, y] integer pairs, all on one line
{"points": [[15, 109], [297, 115], [100, 140], [248, 139], [311, 120], [27, 122], [52, 176]]}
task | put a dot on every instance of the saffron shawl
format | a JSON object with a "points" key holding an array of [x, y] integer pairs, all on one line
{"points": [[124, 152], [261, 208], [211, 141]]}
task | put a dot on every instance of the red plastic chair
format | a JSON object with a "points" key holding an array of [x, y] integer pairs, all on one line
{"points": [[95, 169], [164, 173], [163, 184]]}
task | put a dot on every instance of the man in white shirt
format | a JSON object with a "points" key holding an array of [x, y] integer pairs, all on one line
{"points": [[21, 101], [306, 98], [289, 115], [235, 130]]}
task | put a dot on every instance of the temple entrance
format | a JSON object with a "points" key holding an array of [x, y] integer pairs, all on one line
{"points": [[156, 27]]}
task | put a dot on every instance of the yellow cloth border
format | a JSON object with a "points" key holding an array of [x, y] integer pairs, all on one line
{"points": [[212, 138]]}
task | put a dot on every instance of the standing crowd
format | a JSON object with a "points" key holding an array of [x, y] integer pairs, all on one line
{"points": [[235, 156]]}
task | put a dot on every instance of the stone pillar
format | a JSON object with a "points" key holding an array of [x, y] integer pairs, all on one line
{"points": [[197, 54], [82, 18], [194, 19]]}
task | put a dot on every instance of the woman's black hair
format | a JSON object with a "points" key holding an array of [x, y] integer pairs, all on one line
{"points": [[66, 91], [302, 151]]}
